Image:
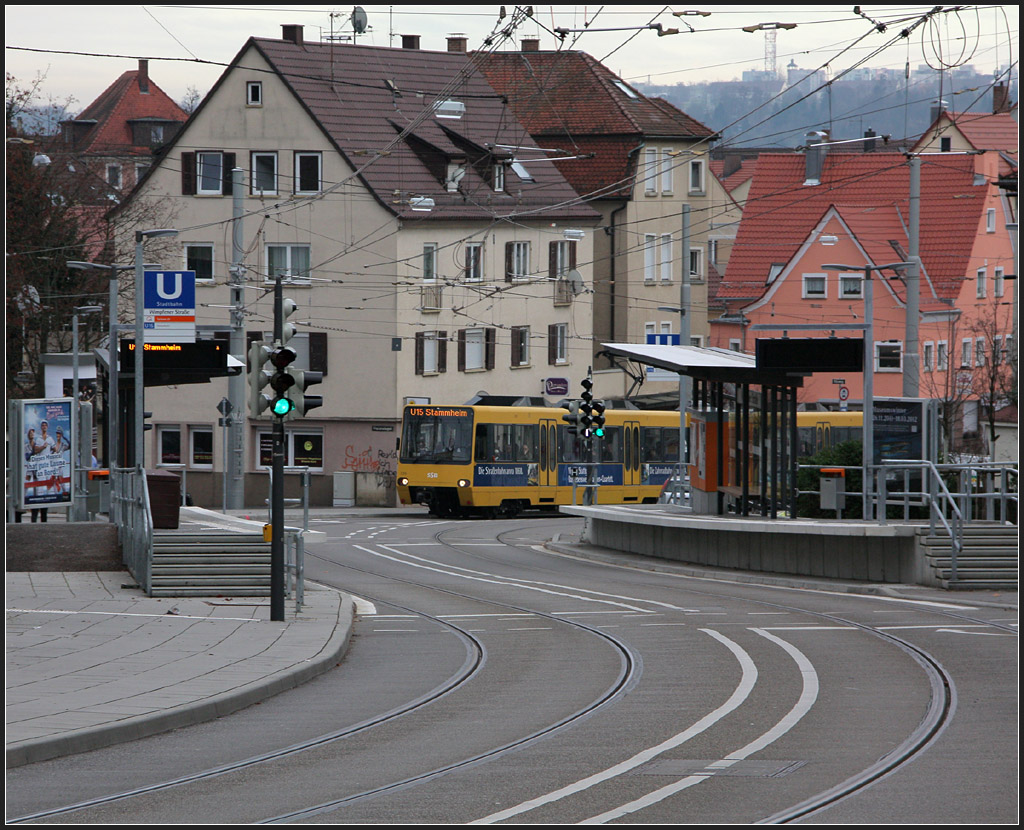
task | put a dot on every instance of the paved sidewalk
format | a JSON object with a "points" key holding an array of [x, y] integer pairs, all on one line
{"points": [[92, 661]]}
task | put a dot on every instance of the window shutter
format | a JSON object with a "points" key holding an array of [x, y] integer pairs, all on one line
{"points": [[572, 254], [188, 174], [553, 344], [509, 260], [552, 260], [462, 350], [229, 164], [489, 340], [318, 352], [442, 351], [516, 344], [419, 353]]}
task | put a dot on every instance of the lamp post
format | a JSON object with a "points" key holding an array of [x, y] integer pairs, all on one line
{"points": [[112, 401], [868, 448], [140, 393]]}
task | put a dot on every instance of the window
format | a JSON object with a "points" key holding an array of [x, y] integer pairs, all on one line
{"points": [[474, 270], [517, 261], [851, 286], [310, 349], [199, 258], [735, 345], [561, 258], [990, 220], [697, 176], [650, 257], [499, 178], [140, 171], [476, 349], [201, 447], [156, 134], [943, 355], [713, 251], [997, 349], [264, 174], [169, 444], [945, 144], [998, 282], [456, 172], [114, 176], [290, 262], [696, 266], [650, 171], [308, 172], [431, 352], [667, 161], [429, 261], [982, 286], [888, 357], [520, 346], [558, 351], [697, 340], [929, 357], [301, 449], [979, 352], [207, 173], [815, 286], [965, 353], [254, 93], [665, 251]]}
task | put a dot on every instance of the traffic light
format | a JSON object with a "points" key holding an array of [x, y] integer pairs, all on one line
{"points": [[282, 381], [259, 377], [145, 417], [301, 402], [572, 417], [599, 408], [587, 405]]}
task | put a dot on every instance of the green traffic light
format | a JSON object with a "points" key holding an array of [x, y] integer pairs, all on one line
{"points": [[599, 432], [281, 407]]}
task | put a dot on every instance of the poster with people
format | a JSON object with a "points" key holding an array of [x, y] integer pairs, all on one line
{"points": [[47, 452]]}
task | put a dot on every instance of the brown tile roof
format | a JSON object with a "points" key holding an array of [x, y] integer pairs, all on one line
{"points": [[871, 194], [114, 110], [571, 98], [367, 98], [988, 131]]}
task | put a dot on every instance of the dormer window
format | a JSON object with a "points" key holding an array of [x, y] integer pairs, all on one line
{"points": [[254, 93], [499, 178], [456, 170]]}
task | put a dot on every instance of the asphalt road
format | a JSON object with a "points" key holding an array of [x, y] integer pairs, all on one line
{"points": [[491, 680]]}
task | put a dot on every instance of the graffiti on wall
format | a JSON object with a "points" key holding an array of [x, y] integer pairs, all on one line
{"points": [[380, 462]]}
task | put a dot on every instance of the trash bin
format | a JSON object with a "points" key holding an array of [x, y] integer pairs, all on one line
{"points": [[833, 488], [97, 494], [164, 498]]}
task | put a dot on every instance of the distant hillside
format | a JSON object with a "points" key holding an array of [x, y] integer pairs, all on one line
{"points": [[774, 113]]}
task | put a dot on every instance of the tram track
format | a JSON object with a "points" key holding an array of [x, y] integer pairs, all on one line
{"points": [[940, 709]]}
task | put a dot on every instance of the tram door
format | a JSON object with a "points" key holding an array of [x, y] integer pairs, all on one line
{"points": [[631, 461], [547, 474]]}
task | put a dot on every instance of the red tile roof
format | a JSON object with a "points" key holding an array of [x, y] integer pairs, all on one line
{"points": [[987, 131], [871, 193], [115, 109]]}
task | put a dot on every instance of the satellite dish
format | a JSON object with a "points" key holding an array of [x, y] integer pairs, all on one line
{"points": [[575, 281], [358, 20]]}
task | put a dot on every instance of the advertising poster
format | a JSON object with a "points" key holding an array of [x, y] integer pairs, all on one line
{"points": [[46, 449]]}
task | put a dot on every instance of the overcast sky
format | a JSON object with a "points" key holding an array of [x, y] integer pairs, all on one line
{"points": [[82, 49]]}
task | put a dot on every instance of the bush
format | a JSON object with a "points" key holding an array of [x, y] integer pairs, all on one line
{"points": [[847, 454]]}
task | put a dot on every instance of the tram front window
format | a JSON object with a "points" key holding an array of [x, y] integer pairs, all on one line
{"points": [[431, 438]]}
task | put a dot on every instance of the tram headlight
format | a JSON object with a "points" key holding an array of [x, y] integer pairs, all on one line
{"points": [[463, 482], [403, 482]]}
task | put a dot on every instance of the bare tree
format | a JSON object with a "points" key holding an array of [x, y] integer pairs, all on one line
{"points": [[995, 359]]}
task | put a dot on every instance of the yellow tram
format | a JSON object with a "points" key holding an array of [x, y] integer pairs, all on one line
{"points": [[501, 460]]}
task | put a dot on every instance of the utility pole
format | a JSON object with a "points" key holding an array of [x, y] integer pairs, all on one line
{"points": [[234, 473], [912, 348], [684, 340]]}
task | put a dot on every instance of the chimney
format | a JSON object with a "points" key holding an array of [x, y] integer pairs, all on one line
{"points": [[733, 162], [1000, 99], [869, 140], [814, 159], [143, 76], [292, 32], [457, 43], [410, 41], [531, 44]]}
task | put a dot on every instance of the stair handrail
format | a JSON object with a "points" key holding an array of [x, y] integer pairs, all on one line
{"points": [[130, 508], [938, 496]]}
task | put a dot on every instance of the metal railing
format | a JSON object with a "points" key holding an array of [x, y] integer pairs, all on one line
{"points": [[130, 511]]}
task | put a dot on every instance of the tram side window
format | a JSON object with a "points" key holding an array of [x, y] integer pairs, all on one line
{"points": [[611, 446], [506, 442], [660, 444], [570, 447]]}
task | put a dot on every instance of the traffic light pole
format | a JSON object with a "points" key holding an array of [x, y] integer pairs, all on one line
{"points": [[277, 485]]}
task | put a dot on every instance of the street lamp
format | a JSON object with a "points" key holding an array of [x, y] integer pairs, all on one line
{"points": [[76, 456], [868, 448], [140, 393]]}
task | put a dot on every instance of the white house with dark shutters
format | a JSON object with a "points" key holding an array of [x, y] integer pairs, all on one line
{"points": [[432, 252]]}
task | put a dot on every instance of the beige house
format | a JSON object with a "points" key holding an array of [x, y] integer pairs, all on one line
{"points": [[639, 161], [428, 261]]}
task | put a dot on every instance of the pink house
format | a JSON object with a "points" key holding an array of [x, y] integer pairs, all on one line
{"points": [[806, 211]]}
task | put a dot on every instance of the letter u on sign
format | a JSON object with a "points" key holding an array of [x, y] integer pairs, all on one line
{"points": [[161, 286]]}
